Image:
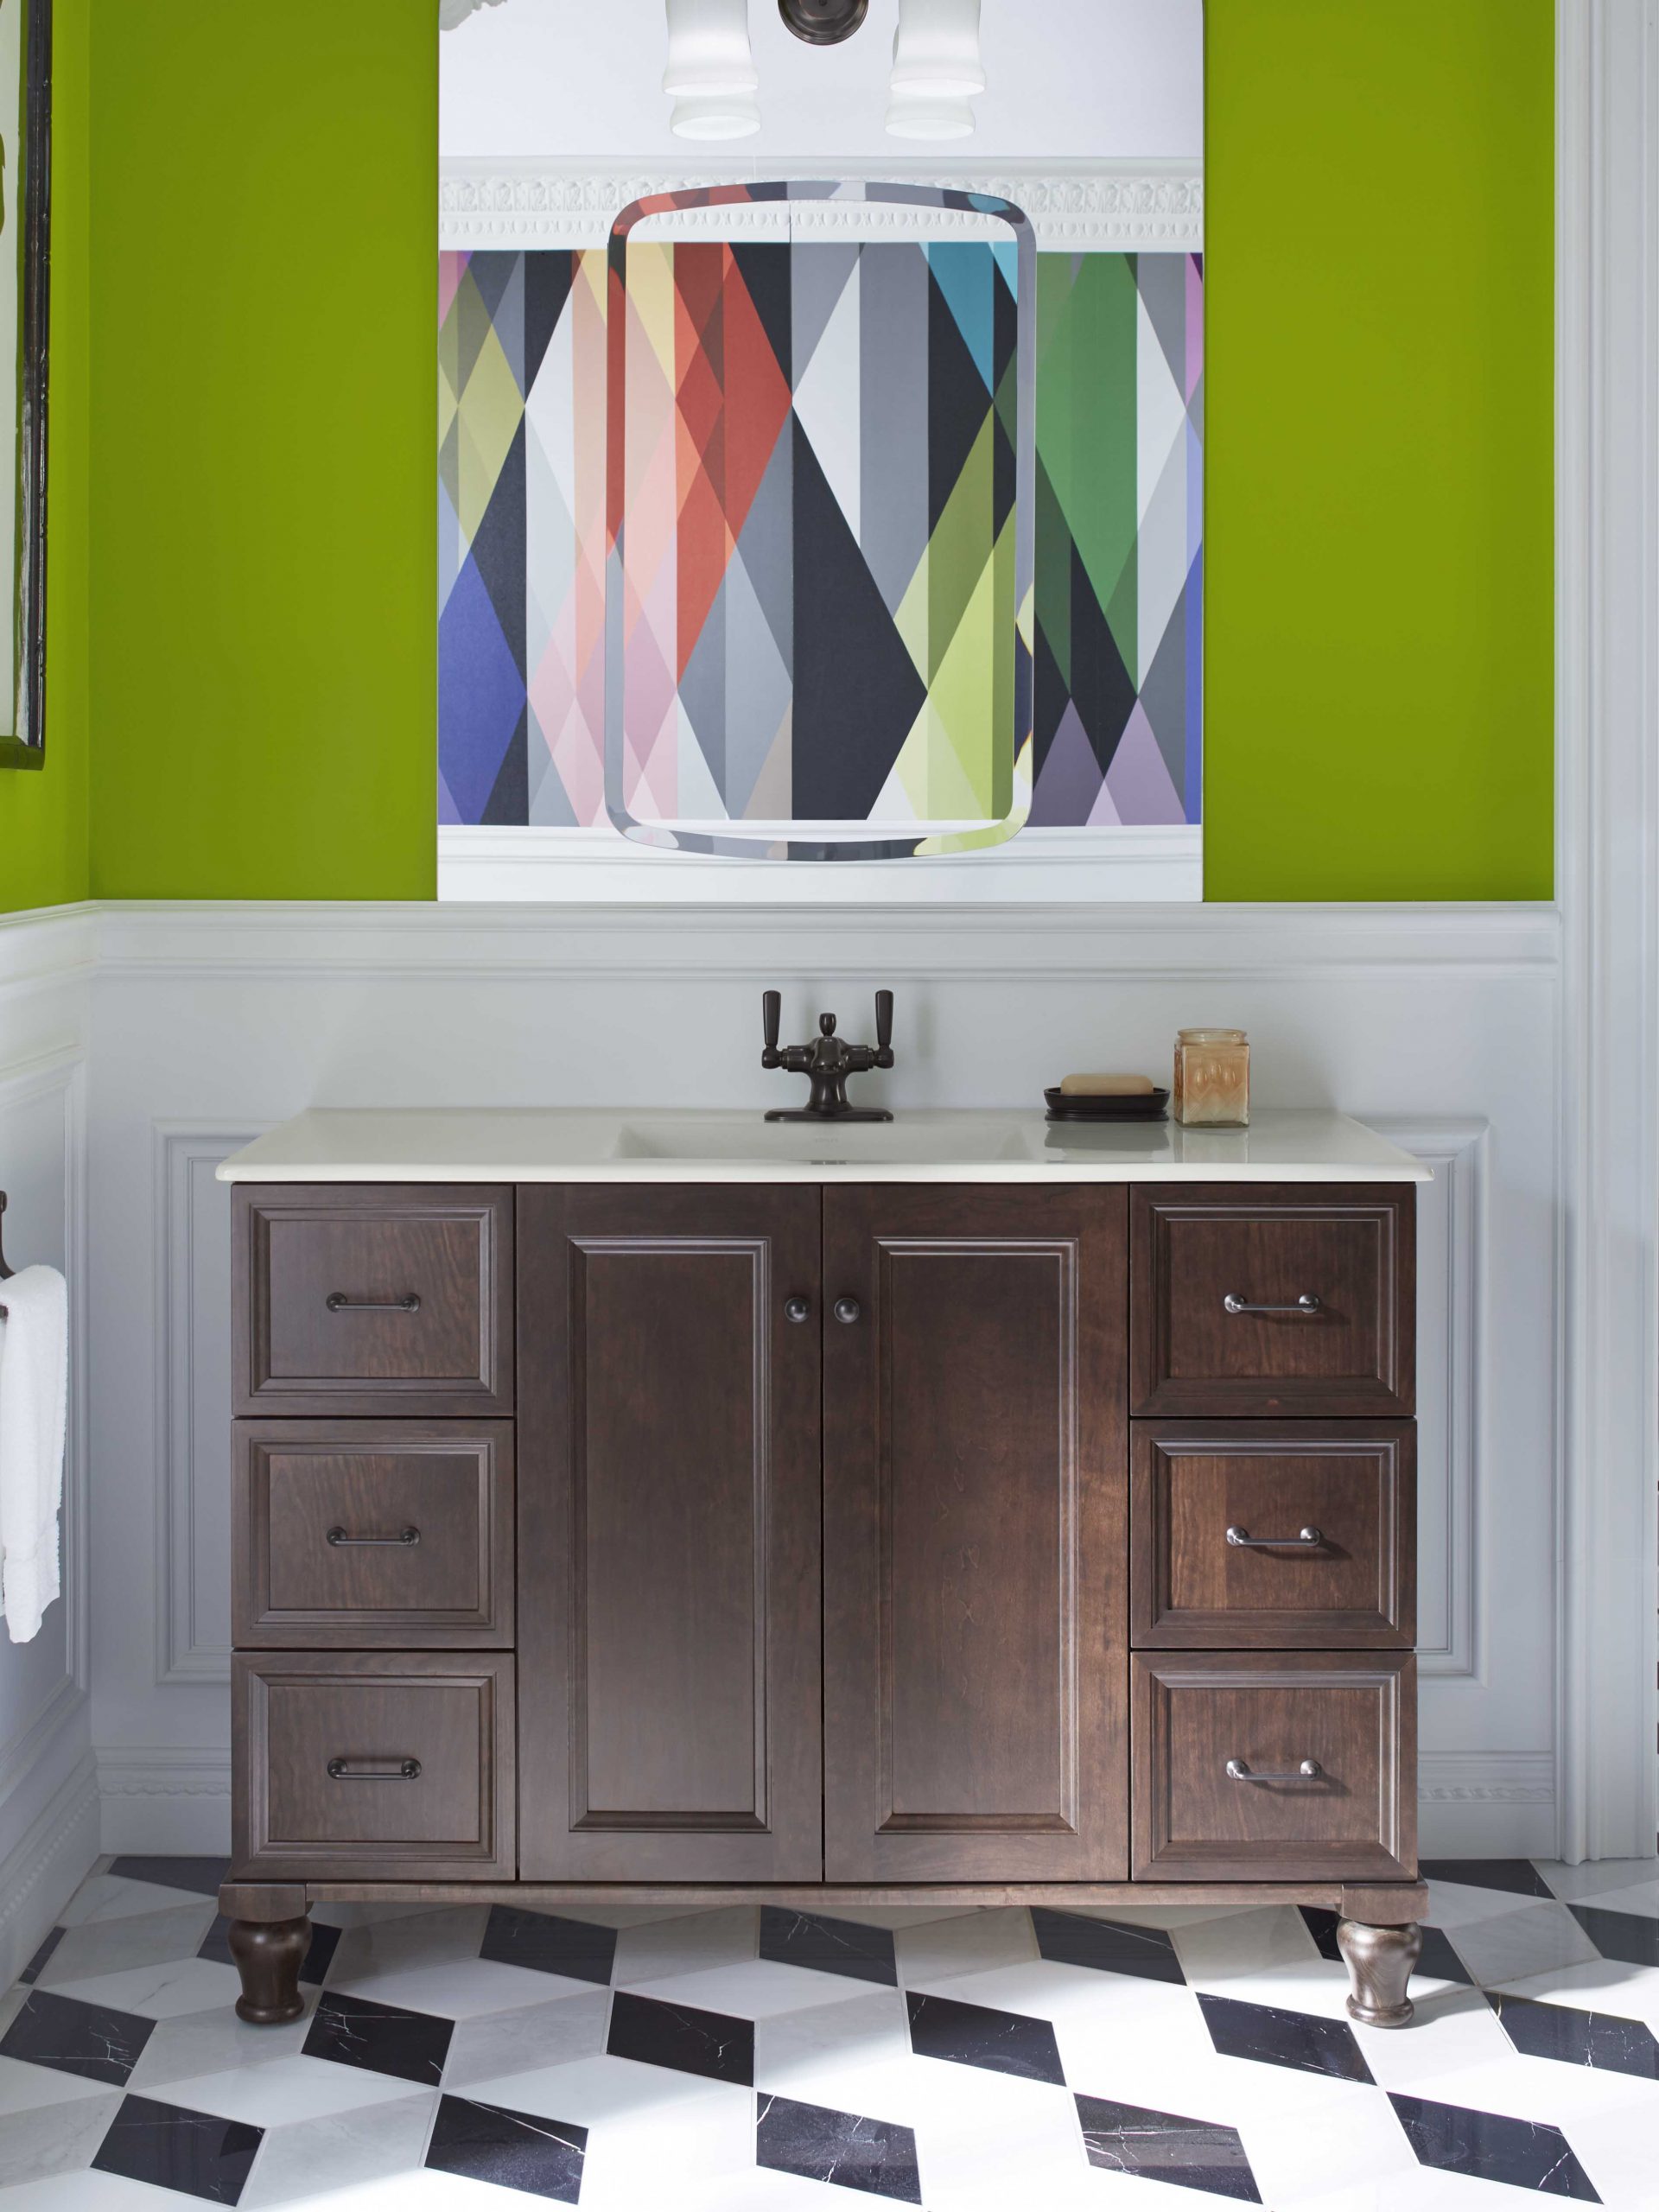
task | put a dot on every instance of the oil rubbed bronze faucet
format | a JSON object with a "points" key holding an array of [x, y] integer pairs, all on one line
{"points": [[828, 1060]]}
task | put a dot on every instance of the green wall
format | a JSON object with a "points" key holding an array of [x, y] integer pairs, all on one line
{"points": [[44, 831], [261, 404], [264, 195], [1380, 388]]}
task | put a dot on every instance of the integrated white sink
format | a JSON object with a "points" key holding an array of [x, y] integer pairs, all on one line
{"points": [[921, 1140]]}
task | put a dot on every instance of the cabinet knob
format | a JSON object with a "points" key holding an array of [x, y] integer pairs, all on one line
{"points": [[798, 1309], [848, 1309]]}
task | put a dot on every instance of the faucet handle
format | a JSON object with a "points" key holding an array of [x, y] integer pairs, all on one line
{"points": [[884, 1027], [772, 1007]]}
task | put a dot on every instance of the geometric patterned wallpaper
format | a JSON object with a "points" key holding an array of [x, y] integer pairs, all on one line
{"points": [[819, 615]]}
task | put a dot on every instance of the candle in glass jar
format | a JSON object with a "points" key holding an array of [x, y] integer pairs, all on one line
{"points": [[1212, 1078]]}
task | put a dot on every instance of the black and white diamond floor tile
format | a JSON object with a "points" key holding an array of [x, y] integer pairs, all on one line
{"points": [[749, 2061]]}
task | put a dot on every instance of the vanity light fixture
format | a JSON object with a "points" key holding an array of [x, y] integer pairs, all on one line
{"points": [[823, 22], [711, 77], [936, 70]]}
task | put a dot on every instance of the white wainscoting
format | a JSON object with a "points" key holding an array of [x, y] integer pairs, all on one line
{"points": [[48, 1804], [1438, 1025]]}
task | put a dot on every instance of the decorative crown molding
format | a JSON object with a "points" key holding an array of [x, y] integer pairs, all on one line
{"points": [[516, 204]]}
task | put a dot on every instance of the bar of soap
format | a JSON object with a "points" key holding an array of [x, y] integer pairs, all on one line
{"points": [[1106, 1086]]}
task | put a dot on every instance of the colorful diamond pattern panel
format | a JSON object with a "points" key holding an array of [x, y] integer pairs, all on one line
{"points": [[818, 621], [629, 2059]]}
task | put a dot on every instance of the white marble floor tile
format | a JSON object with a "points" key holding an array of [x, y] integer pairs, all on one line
{"points": [[139, 1939], [55, 2139], [1533, 1937], [25, 2087], [967, 1942], [753, 1989], [527, 2039], [843, 2055], [1264, 1956], [1596, 1985], [85, 2191], [372, 2143], [161, 1992], [111, 1897], [658, 1950], [209, 2040], [459, 1989], [412, 1941], [282, 2090], [1619, 1884], [1331, 2145]]}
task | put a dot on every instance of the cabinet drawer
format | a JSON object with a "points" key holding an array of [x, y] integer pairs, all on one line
{"points": [[1273, 1534], [373, 1765], [373, 1533], [1279, 1300], [372, 1299], [1211, 1726]]}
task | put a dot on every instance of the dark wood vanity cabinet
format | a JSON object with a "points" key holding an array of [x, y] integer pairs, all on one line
{"points": [[680, 1542]]}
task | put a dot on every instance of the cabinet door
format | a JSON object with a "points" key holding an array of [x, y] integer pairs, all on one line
{"points": [[669, 1591], [975, 1531]]}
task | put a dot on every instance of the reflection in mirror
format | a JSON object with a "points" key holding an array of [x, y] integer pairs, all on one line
{"points": [[824, 641]]}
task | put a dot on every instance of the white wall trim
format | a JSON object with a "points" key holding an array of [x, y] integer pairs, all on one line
{"points": [[157, 1797], [46, 1866], [549, 866], [1122, 207], [1607, 323], [943, 941], [1451, 1381], [183, 1655]]}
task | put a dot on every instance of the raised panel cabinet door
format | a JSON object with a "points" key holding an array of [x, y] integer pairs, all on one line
{"points": [[669, 1591], [975, 1526]]}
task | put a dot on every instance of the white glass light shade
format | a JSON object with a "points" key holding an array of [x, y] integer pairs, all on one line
{"points": [[936, 52], [910, 119], [725, 115], [708, 49], [711, 76]]}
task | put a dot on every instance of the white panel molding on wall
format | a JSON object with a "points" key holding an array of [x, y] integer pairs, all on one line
{"points": [[49, 1821], [1441, 1023], [517, 204], [1607, 883], [193, 1401]]}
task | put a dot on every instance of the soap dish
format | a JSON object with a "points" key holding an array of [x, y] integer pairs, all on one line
{"points": [[1136, 1106]]}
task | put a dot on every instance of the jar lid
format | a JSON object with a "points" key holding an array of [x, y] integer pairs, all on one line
{"points": [[1212, 1036]]}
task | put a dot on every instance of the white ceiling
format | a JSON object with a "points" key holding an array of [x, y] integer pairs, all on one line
{"points": [[1087, 80]]}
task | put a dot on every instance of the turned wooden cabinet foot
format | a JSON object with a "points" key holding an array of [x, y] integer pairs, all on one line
{"points": [[268, 1955], [1380, 1960]]}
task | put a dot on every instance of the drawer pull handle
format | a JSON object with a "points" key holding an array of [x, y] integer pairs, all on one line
{"points": [[1308, 1540], [1308, 1771], [337, 1302], [403, 1536], [393, 1770], [798, 1309], [1306, 1304]]}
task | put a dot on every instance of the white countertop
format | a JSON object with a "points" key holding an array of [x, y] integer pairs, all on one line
{"points": [[617, 1145]]}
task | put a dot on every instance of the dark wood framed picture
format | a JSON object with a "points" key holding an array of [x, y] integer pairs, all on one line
{"points": [[25, 301]]}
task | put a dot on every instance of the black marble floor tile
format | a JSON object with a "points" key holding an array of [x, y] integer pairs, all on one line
{"points": [[1162, 2147], [1519, 1876], [1631, 1936], [381, 2038], [1306, 2042], [979, 2035], [1071, 1940], [842, 1947], [1604, 2040], [550, 1945], [325, 1940], [1438, 1958], [203, 1876], [49, 1944], [1524, 2154], [876, 2156], [513, 2150], [193, 2153], [682, 2037], [76, 2038]]}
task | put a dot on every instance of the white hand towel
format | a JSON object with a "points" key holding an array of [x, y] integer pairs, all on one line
{"points": [[33, 1400]]}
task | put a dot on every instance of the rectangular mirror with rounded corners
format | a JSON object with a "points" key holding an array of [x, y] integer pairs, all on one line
{"points": [[821, 445]]}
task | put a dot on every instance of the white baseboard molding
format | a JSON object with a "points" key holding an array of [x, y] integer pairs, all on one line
{"points": [[43, 1871], [154, 1797], [1486, 1804]]}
